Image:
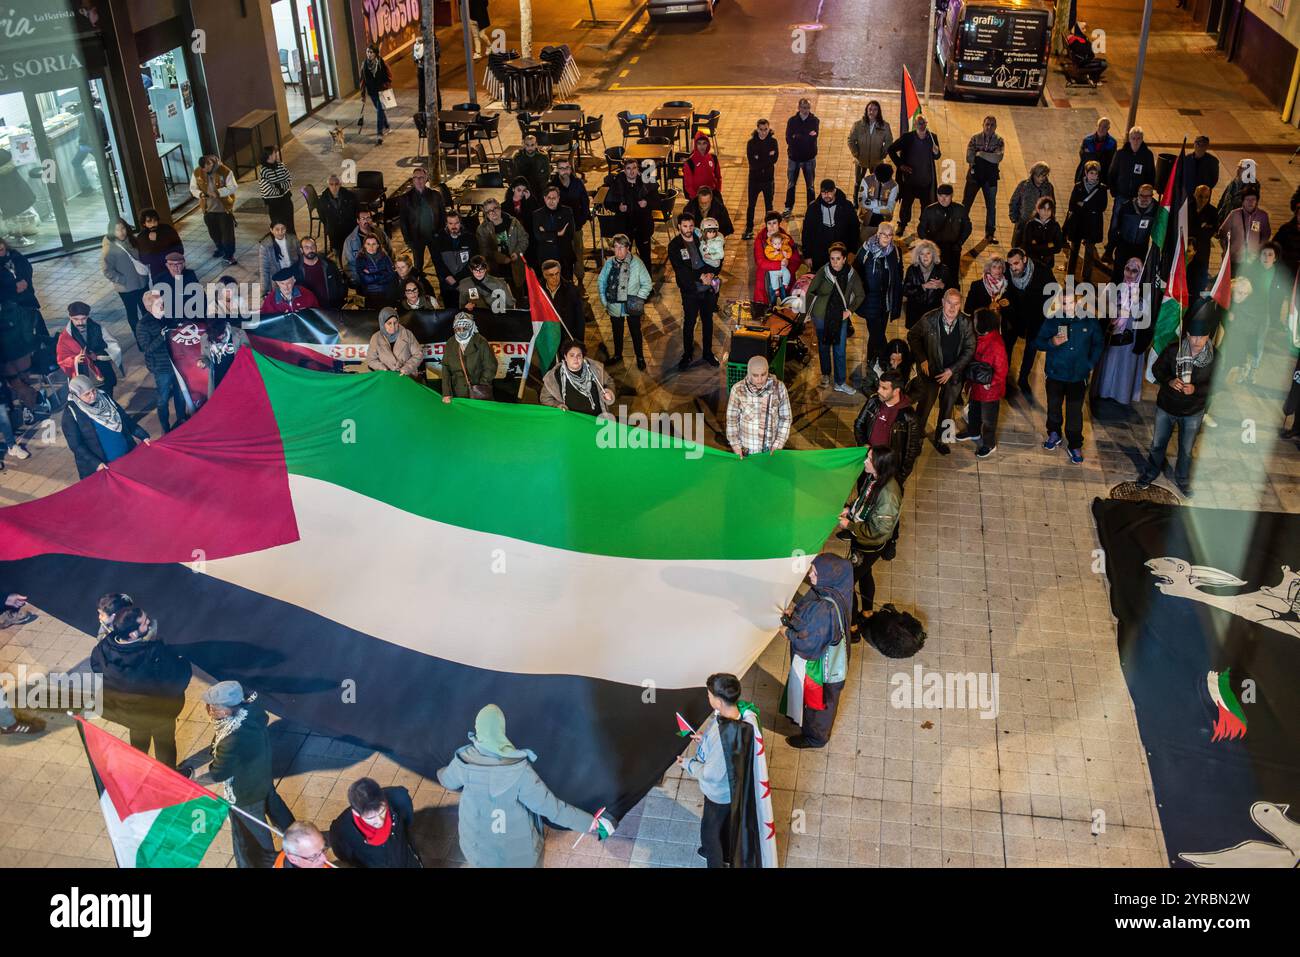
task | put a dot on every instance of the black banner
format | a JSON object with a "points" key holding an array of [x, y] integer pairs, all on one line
{"points": [[324, 338], [1209, 640]]}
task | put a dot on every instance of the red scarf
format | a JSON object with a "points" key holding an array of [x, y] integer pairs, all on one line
{"points": [[374, 836]]}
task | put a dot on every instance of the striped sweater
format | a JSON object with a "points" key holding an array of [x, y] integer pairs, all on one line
{"points": [[274, 181]]}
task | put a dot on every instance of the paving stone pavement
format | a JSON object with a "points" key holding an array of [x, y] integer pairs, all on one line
{"points": [[996, 556]]}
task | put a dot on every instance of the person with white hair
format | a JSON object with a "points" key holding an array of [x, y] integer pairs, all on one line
{"points": [[758, 411], [303, 847]]}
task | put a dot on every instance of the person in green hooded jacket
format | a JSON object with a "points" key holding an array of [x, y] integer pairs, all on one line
{"points": [[503, 801], [868, 522]]}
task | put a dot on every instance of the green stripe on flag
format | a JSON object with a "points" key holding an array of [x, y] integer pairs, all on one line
{"points": [[547, 476], [1168, 323], [547, 344], [181, 833]]}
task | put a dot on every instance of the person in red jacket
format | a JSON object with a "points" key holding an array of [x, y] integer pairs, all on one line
{"points": [[763, 265], [701, 169], [287, 296], [982, 419], [87, 348]]}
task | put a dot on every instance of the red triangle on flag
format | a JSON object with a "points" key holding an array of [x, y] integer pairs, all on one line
{"points": [[1222, 290], [134, 781], [539, 303]]}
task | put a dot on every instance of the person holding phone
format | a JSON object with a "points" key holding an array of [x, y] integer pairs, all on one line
{"points": [[1071, 343]]}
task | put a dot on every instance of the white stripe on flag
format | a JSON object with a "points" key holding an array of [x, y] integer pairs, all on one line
{"points": [[126, 835], [794, 689]]}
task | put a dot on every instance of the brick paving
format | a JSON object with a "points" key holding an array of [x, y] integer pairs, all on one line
{"points": [[995, 556]]}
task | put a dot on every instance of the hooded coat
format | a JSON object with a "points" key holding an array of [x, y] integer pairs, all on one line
{"points": [[503, 803], [352, 849], [818, 235], [820, 619], [142, 678]]}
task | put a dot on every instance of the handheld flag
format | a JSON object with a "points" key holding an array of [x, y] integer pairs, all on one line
{"points": [[684, 730], [1172, 309], [606, 829], [1171, 199], [155, 816], [548, 327], [1221, 291], [910, 103]]}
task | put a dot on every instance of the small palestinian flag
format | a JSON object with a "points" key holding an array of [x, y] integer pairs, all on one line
{"points": [[548, 328], [155, 816], [909, 103], [684, 730], [1230, 723], [1221, 291], [803, 689]]}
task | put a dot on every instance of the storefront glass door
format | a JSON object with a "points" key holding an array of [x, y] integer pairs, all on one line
{"points": [[305, 69], [175, 122], [59, 179]]}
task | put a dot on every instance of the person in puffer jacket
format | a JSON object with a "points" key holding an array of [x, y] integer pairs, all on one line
{"points": [[144, 681], [503, 801]]}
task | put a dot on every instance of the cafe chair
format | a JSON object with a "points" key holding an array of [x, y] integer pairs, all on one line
{"points": [[488, 131], [314, 220], [370, 179], [631, 125], [467, 108], [489, 180], [592, 127], [614, 157], [566, 106], [559, 139], [453, 140], [663, 213], [679, 105], [654, 140], [706, 123]]}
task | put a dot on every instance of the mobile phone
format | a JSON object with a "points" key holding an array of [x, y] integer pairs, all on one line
{"points": [[1063, 331]]}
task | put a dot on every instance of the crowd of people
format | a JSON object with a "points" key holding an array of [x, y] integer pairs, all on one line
{"points": [[927, 346]]}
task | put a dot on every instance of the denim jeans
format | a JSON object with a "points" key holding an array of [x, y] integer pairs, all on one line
{"points": [[168, 389], [827, 350], [1188, 427], [792, 170], [7, 717], [381, 118], [7, 438], [990, 191]]}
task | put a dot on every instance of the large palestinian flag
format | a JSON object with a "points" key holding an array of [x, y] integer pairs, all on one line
{"points": [[1208, 603], [380, 565]]}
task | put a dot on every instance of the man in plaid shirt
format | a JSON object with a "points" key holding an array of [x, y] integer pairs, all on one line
{"points": [[758, 412]]}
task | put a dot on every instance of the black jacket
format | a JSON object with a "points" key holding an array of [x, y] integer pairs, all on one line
{"points": [[544, 239], [576, 198], [1176, 403], [1042, 240], [1027, 307], [910, 146], [924, 338], [905, 434], [1087, 212], [717, 210], [244, 756], [143, 678], [882, 283], [569, 302], [83, 440], [336, 287], [801, 137], [413, 206], [944, 225], [1132, 226], [1199, 172], [688, 276], [917, 300], [762, 155], [1129, 170], [451, 256], [338, 213], [16, 267], [636, 221], [350, 845], [817, 236], [151, 337]]}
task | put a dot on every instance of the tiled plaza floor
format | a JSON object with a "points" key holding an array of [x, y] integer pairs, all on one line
{"points": [[995, 556]]}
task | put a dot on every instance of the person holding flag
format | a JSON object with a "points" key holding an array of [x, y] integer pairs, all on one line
{"points": [[503, 800], [817, 627], [737, 827]]}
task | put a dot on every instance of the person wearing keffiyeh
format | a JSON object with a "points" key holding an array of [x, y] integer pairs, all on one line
{"points": [[98, 430], [758, 411], [1185, 371], [577, 383]]}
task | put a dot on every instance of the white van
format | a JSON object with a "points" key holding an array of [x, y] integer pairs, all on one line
{"points": [[996, 49], [671, 9]]}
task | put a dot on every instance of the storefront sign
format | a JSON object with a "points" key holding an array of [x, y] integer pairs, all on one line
{"points": [[37, 21], [390, 23]]}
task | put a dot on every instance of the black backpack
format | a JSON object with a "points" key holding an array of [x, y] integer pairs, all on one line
{"points": [[894, 633]]}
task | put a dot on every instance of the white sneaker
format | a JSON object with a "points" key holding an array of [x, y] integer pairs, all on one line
{"points": [[1209, 421], [845, 388], [18, 452]]}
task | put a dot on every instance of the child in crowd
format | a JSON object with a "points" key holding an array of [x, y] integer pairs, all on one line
{"points": [[778, 247], [712, 248]]}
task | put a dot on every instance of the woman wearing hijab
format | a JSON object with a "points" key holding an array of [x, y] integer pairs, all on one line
{"points": [[1120, 372], [577, 383], [835, 293], [879, 265], [503, 801], [121, 265], [394, 348], [624, 286], [924, 282], [468, 363], [817, 627], [868, 522], [98, 430]]}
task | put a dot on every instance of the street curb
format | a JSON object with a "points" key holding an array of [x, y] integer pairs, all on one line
{"points": [[621, 30]]}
